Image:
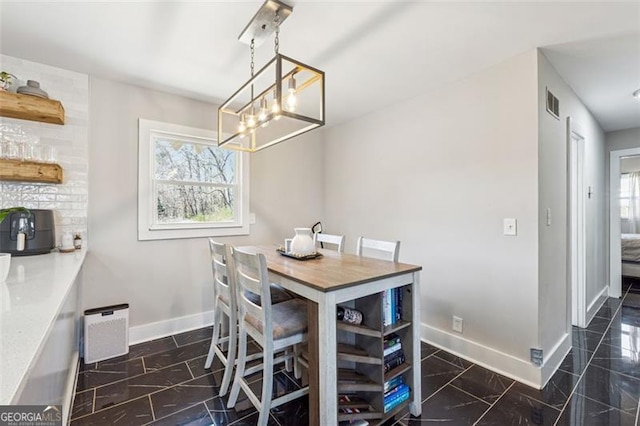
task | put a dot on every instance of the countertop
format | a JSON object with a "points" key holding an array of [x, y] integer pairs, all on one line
{"points": [[30, 301]]}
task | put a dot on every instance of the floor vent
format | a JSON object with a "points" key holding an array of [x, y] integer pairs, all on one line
{"points": [[106, 333], [553, 105]]}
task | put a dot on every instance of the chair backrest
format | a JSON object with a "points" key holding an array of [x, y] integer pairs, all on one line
{"points": [[387, 250], [252, 277], [336, 240], [223, 280]]}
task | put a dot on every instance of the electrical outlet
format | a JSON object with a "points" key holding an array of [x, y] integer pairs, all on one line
{"points": [[457, 324], [510, 226]]}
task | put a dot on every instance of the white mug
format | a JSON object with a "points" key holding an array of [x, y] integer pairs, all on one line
{"points": [[67, 241]]}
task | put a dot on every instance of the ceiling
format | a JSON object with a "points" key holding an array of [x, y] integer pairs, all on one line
{"points": [[374, 53]]}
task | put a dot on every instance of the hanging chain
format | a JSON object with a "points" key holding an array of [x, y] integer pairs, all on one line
{"points": [[253, 51], [276, 46]]}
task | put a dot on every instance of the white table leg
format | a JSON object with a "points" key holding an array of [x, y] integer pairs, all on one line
{"points": [[327, 360], [415, 407]]}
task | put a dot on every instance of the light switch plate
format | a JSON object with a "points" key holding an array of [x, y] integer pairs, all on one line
{"points": [[510, 226]]}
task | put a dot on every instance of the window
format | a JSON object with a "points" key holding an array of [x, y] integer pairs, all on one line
{"points": [[625, 195], [188, 187]]}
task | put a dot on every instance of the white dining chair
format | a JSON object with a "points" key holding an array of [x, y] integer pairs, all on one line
{"points": [[386, 250], [224, 304], [277, 329], [335, 240]]}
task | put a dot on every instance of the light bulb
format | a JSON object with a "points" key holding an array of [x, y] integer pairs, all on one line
{"points": [[275, 108], [251, 119], [242, 126], [291, 97], [264, 109]]}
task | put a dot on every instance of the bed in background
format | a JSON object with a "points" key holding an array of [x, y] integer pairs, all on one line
{"points": [[630, 255]]}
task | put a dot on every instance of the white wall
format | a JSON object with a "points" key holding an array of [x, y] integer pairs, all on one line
{"points": [[623, 139], [554, 299], [164, 280], [69, 199], [440, 172]]}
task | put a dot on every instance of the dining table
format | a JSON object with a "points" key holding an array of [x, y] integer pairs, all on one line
{"points": [[327, 281]]}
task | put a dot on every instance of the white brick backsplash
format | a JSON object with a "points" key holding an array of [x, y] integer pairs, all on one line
{"points": [[71, 141]]}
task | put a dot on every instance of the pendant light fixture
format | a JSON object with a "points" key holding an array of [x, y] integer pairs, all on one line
{"points": [[284, 99]]}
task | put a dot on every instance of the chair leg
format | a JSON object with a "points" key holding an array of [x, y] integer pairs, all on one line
{"points": [[214, 337], [231, 354], [287, 362], [297, 369], [235, 389], [267, 387]]}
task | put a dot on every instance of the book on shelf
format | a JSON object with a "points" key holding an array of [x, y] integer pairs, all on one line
{"points": [[395, 348], [391, 306], [394, 362], [391, 340], [390, 384], [399, 293], [400, 397]]}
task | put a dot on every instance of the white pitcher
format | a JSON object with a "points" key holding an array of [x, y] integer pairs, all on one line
{"points": [[302, 243]]}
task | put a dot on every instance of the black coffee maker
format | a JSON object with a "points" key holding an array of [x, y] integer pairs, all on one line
{"points": [[23, 233]]}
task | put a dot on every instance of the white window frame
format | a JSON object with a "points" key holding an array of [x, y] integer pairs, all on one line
{"points": [[148, 229]]}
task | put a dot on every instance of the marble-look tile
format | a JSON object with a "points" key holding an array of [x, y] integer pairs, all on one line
{"points": [[174, 356], [583, 411], [613, 336], [193, 336], [575, 362], [618, 359], [281, 385], [82, 403], [483, 383], [585, 340], [151, 347], [87, 367], [292, 413], [108, 373], [184, 395], [144, 384], [598, 325], [449, 406], [455, 360], [610, 388], [252, 420], [198, 415], [197, 366], [136, 412], [426, 350], [224, 416], [514, 408], [435, 374], [555, 393]]}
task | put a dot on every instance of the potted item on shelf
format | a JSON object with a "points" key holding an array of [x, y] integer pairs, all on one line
{"points": [[6, 78]]}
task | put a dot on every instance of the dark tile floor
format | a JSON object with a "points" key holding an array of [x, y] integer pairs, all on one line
{"points": [[163, 382]]}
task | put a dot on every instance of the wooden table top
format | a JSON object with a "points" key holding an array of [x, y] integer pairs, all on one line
{"points": [[332, 271]]}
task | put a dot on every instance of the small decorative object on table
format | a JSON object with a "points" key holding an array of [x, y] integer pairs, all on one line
{"points": [[67, 243], [348, 315], [298, 256], [6, 78]]}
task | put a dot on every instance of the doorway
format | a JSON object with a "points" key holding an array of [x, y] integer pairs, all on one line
{"points": [[615, 225], [577, 228]]}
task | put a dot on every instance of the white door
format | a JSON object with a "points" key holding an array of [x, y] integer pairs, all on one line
{"points": [[577, 229]]}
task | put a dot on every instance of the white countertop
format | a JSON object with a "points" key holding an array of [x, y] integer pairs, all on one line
{"points": [[30, 301]]}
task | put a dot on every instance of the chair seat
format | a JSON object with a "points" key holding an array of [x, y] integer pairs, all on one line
{"points": [[288, 318], [278, 295]]}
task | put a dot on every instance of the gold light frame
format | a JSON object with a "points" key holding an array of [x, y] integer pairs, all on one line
{"points": [[309, 88]]}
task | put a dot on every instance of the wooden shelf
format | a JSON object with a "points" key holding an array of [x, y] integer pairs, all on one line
{"points": [[355, 354], [31, 108], [358, 329], [30, 171], [352, 381]]}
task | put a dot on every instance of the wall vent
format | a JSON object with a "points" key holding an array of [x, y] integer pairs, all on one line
{"points": [[553, 104]]}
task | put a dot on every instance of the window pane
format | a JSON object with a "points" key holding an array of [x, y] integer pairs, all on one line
{"points": [[194, 204], [193, 162]]}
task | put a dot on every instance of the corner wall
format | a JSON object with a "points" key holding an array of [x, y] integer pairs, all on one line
{"points": [[440, 172], [168, 282]]}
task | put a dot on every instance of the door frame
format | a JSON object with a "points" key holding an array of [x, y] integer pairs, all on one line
{"points": [[577, 226], [615, 255]]}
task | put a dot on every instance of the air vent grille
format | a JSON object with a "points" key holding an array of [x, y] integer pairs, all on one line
{"points": [[553, 105]]}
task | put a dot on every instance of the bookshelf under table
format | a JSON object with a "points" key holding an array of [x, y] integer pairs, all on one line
{"points": [[339, 278]]}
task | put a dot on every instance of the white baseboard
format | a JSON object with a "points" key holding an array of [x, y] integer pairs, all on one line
{"points": [[492, 359], [554, 358], [156, 330], [597, 303], [70, 388]]}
